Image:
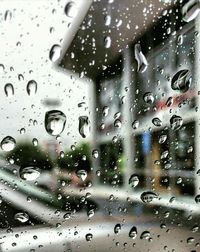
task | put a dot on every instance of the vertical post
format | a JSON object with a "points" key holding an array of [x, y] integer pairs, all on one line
{"points": [[197, 119], [127, 119]]}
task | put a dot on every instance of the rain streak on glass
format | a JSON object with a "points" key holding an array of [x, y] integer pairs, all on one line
{"points": [[84, 126], [9, 90], [31, 87], [141, 59], [29, 173], [8, 143], [55, 53], [182, 81], [55, 121]]}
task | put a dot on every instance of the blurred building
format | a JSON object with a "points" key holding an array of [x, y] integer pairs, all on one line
{"points": [[128, 141]]}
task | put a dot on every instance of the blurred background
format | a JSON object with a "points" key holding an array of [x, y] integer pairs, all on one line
{"points": [[100, 125]]}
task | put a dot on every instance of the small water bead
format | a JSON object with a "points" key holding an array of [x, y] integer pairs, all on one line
{"points": [[179, 180], [148, 98], [95, 153], [8, 15], [35, 142], [84, 126], [182, 81], [11, 161], [22, 131], [90, 213], [180, 39], [157, 122], [62, 154], [31, 87], [107, 42], [22, 217], [29, 173], [141, 59], [55, 122], [145, 235], [55, 53], [9, 90], [148, 196], [176, 122], [162, 139], [117, 123], [107, 20], [134, 180], [8, 143], [117, 228], [135, 124], [105, 111], [190, 240], [81, 174], [88, 237], [169, 101], [117, 115], [133, 232], [71, 9], [164, 154]]}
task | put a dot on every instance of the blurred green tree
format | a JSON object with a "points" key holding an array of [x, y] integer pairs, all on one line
{"points": [[25, 154], [77, 159]]}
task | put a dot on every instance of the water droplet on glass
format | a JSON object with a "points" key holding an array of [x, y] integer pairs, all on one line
{"points": [[55, 53], [95, 153], [180, 39], [148, 196], [169, 101], [148, 97], [117, 123], [88, 237], [8, 15], [133, 232], [107, 42], [176, 122], [62, 154], [135, 124], [55, 122], [107, 20], [157, 122], [84, 126], [197, 199], [145, 235], [117, 228], [195, 228], [190, 10], [29, 173], [162, 139], [90, 213], [190, 240], [164, 154], [190, 149], [31, 87], [22, 131], [71, 9], [9, 90], [35, 142], [22, 217], [134, 180], [141, 59], [179, 180], [182, 81], [105, 111], [81, 174], [8, 143]]}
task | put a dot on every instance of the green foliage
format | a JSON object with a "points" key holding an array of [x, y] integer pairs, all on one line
{"points": [[74, 159], [25, 154]]}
